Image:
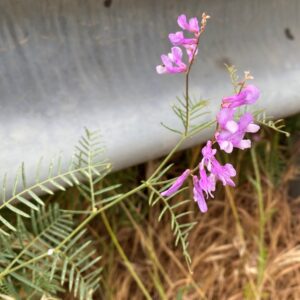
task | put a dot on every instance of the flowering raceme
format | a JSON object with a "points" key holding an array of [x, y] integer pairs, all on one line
{"points": [[172, 63], [231, 128]]}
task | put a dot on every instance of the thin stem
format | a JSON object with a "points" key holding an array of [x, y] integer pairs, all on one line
{"points": [[91, 183], [167, 159], [187, 108], [124, 257], [262, 219], [261, 241]]}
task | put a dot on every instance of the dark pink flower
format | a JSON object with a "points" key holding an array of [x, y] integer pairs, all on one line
{"points": [[248, 95], [177, 184], [172, 63], [198, 195]]}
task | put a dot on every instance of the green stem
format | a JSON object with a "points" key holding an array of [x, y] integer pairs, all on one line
{"points": [[124, 257], [167, 158], [187, 108], [261, 241]]}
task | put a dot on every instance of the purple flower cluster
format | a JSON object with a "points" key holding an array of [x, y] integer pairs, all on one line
{"points": [[173, 63], [230, 134]]}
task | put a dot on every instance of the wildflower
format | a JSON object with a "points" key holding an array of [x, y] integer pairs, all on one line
{"points": [[208, 155], [228, 139], [207, 183], [218, 171], [198, 195], [191, 26], [178, 39], [191, 51], [172, 63], [226, 121], [177, 184], [223, 173], [248, 95]]}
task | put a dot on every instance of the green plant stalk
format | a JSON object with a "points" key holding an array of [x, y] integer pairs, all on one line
{"points": [[124, 257], [164, 162], [187, 109], [262, 218]]}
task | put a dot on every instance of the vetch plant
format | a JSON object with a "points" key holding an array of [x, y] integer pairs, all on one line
{"points": [[230, 132], [47, 249]]}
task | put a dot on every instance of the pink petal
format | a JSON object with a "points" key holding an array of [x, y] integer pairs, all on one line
{"points": [[244, 144], [252, 128], [226, 146], [177, 184], [193, 25], [176, 38], [177, 55], [182, 22], [232, 126]]}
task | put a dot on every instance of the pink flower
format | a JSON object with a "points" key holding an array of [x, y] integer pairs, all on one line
{"points": [[248, 95], [228, 139], [207, 183], [208, 155], [191, 51], [198, 195], [226, 121], [172, 63], [177, 184], [223, 173], [191, 26], [218, 171], [178, 39]]}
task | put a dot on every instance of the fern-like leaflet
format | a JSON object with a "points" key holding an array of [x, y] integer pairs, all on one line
{"points": [[277, 125], [70, 263], [195, 113], [82, 165]]}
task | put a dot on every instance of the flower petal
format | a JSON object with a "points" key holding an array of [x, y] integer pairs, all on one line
{"points": [[182, 22], [177, 184]]}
